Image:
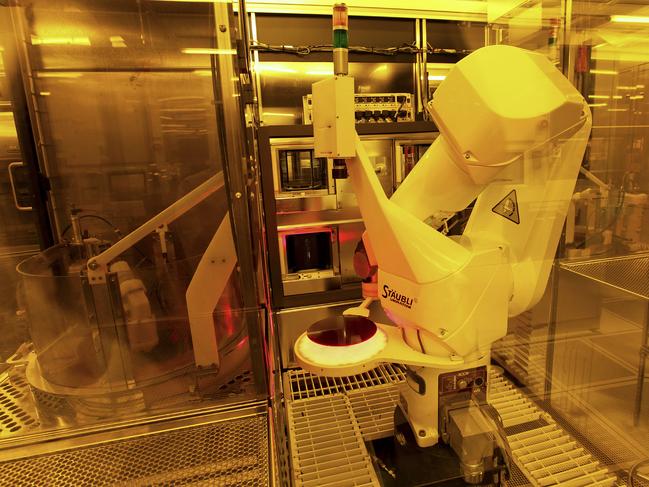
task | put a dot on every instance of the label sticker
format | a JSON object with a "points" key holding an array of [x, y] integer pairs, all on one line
{"points": [[508, 207]]}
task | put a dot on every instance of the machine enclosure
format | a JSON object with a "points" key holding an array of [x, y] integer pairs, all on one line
{"points": [[333, 118]]}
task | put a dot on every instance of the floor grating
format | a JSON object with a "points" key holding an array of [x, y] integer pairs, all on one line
{"points": [[330, 419]]}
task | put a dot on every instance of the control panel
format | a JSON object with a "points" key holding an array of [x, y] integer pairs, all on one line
{"points": [[468, 380], [372, 108]]}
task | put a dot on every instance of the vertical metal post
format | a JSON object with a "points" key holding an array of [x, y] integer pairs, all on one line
{"points": [[552, 331], [238, 178], [255, 68], [417, 68], [567, 53], [424, 67], [644, 350]]}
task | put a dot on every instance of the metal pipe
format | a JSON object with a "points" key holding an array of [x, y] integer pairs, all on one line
{"points": [[166, 216]]}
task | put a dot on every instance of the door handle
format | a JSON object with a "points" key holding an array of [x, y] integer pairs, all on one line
{"points": [[10, 169]]}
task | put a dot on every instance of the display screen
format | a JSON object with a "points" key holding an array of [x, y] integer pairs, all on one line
{"points": [[308, 251]]}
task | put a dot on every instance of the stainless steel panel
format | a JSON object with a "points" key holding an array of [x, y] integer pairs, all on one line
{"points": [[296, 220], [303, 203], [310, 282]]}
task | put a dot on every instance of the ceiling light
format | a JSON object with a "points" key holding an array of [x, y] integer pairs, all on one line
{"points": [[603, 71], [60, 41], [273, 68], [207, 50], [322, 72], [629, 19]]}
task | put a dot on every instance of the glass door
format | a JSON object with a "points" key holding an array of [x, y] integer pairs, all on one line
{"points": [[136, 110], [583, 350], [19, 231]]}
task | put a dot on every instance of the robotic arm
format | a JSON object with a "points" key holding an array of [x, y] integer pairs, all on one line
{"points": [[513, 132]]}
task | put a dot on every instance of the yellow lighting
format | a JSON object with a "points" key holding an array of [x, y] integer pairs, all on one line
{"points": [[335, 356], [262, 68], [117, 41], [277, 114], [58, 75], [207, 50], [617, 109], [627, 88], [597, 104], [636, 97], [320, 72], [599, 97], [380, 69], [45, 93], [433, 77], [630, 19], [60, 41], [182, 110], [603, 71]]}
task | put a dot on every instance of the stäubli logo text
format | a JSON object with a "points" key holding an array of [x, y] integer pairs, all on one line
{"points": [[397, 297]]}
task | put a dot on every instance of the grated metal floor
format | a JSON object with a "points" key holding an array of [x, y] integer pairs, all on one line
{"points": [[229, 453], [360, 408]]}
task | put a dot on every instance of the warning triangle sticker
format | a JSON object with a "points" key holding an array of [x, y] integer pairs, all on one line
{"points": [[508, 207]]}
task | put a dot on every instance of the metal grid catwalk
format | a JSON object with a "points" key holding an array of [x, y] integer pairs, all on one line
{"points": [[233, 452], [303, 385], [347, 411], [543, 451], [327, 447]]}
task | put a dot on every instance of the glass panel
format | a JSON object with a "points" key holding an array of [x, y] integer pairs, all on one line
{"points": [[583, 349], [127, 101]]}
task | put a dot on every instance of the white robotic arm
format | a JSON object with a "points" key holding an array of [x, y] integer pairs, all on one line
{"points": [[513, 132]]}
